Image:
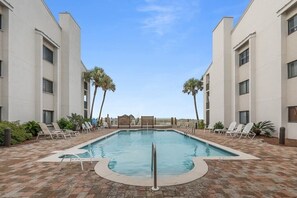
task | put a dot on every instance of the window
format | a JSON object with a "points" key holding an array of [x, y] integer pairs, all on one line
{"points": [[293, 114], [0, 21], [48, 54], [0, 113], [244, 87], [0, 68], [292, 69], [48, 86], [244, 117], [85, 85], [86, 113], [207, 82], [292, 24], [48, 117], [244, 57]]}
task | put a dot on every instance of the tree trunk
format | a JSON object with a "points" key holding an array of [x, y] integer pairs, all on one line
{"points": [[94, 96], [196, 111], [102, 106]]}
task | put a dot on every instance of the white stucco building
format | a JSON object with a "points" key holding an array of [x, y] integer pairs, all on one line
{"points": [[41, 68], [253, 74]]}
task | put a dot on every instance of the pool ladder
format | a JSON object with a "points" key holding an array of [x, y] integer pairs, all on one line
{"points": [[154, 167]]}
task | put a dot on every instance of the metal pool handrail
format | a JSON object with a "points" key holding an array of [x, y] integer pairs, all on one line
{"points": [[154, 166]]}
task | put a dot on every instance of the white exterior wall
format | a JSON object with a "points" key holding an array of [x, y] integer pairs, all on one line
{"points": [[27, 26], [264, 31]]}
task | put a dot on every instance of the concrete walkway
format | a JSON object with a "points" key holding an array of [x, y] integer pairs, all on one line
{"points": [[275, 175]]}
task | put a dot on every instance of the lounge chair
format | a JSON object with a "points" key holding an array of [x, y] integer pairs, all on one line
{"points": [[86, 128], [230, 129], [67, 131], [236, 132], [209, 128], [46, 132], [246, 132]]}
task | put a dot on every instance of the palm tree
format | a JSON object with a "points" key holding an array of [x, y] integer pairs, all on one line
{"points": [[95, 76], [192, 86], [106, 84]]}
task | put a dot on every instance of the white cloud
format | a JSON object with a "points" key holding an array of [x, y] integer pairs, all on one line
{"points": [[162, 17]]}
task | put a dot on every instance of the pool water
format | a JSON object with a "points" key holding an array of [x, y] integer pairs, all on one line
{"points": [[130, 152]]}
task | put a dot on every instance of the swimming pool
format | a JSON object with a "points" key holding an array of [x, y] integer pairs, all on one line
{"points": [[129, 152], [124, 156]]}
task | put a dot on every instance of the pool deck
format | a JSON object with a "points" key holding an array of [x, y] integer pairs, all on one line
{"points": [[274, 175]]}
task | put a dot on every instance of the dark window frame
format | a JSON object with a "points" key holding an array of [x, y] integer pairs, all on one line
{"points": [[1, 21], [48, 54], [0, 68], [292, 64], [45, 113], [244, 57], [290, 120], [47, 86], [247, 116], [294, 27], [246, 85]]}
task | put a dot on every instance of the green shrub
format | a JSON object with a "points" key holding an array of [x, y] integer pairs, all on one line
{"points": [[18, 132], [201, 124], [218, 125], [32, 127], [64, 123], [267, 127], [76, 120]]}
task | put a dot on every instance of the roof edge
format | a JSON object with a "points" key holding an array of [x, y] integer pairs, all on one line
{"points": [[244, 13]]}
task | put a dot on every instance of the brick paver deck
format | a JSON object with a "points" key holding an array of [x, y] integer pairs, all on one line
{"points": [[275, 175]]}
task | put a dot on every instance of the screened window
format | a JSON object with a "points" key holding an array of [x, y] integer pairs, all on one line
{"points": [[293, 114], [292, 23], [244, 87], [48, 54], [244, 117], [244, 57], [0, 21], [86, 113], [85, 85], [48, 86], [292, 69], [48, 117]]}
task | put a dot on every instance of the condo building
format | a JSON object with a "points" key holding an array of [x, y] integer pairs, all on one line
{"points": [[41, 72], [253, 74]]}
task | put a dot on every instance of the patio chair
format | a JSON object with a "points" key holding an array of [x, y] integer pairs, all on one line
{"points": [[85, 128], [246, 132], [236, 132], [209, 128], [230, 129], [67, 131], [46, 132]]}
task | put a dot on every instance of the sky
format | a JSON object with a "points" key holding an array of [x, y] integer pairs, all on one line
{"points": [[149, 48]]}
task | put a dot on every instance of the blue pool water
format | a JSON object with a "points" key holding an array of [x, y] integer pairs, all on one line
{"points": [[130, 152]]}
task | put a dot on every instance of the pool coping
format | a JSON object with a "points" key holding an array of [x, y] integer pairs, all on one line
{"points": [[199, 170]]}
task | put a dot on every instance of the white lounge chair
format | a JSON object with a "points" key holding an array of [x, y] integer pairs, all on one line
{"points": [[209, 128], [46, 132], [246, 132], [230, 128], [85, 128], [67, 131], [236, 132]]}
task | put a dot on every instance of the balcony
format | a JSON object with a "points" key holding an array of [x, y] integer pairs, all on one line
{"points": [[207, 86], [207, 105]]}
